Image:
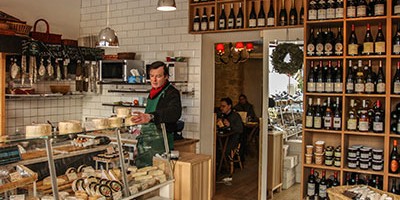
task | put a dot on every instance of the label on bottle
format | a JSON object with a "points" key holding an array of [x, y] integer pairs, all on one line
{"points": [[310, 189], [239, 22], [361, 11], [339, 12], [312, 15], [377, 126], [203, 26], [396, 10], [363, 126], [394, 165], [282, 22], [231, 22], [221, 24], [337, 122], [396, 48], [270, 21], [252, 23], [350, 86], [396, 89], [319, 49], [380, 47], [381, 87], [261, 22], [292, 21], [359, 87], [351, 11], [211, 25], [196, 26], [330, 13], [369, 87], [322, 191], [328, 87], [311, 87], [339, 49], [317, 122], [321, 14], [368, 47], [309, 121], [328, 49], [311, 49], [352, 124], [320, 87], [338, 87], [328, 122], [379, 9], [353, 49]]}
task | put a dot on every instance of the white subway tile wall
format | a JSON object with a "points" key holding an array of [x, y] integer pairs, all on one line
{"points": [[153, 35]]}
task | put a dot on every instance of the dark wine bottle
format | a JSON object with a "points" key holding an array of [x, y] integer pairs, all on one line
{"points": [[362, 8], [339, 43], [313, 10], [331, 9], [323, 187], [339, 9], [352, 117], [368, 45], [311, 184], [222, 18], [351, 9], [359, 86], [380, 80], [239, 17], [379, 8], [396, 41], [350, 79], [328, 115], [311, 78], [394, 159], [338, 86], [283, 18], [328, 77], [337, 116], [271, 15], [231, 18], [396, 7], [311, 44], [301, 22], [318, 115], [329, 43], [321, 14], [378, 120], [253, 17], [369, 79], [211, 22], [396, 80], [380, 42], [309, 114], [293, 15], [363, 120], [393, 188], [320, 43], [261, 16], [204, 20], [196, 21], [335, 179], [371, 8], [320, 79], [353, 42]]}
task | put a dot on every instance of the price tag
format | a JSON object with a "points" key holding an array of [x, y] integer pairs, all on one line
{"points": [[72, 176]]}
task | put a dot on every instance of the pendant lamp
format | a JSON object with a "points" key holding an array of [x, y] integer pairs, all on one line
{"points": [[166, 5], [107, 36]]}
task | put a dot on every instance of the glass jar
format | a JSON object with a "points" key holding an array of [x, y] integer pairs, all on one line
{"points": [[329, 151], [377, 154], [352, 163]]}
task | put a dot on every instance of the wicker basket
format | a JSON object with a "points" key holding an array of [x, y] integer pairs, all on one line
{"points": [[336, 193], [63, 89], [20, 28]]}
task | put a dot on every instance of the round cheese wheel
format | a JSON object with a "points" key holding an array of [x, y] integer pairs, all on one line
{"points": [[115, 122], [123, 112], [37, 130], [71, 126], [101, 123]]}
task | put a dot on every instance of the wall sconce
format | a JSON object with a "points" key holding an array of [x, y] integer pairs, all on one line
{"points": [[237, 54]]}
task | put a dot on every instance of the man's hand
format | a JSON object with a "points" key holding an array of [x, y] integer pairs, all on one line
{"points": [[141, 118], [227, 123]]}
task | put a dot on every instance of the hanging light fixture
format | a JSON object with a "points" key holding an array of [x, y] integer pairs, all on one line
{"points": [[166, 5], [236, 54], [107, 36]]}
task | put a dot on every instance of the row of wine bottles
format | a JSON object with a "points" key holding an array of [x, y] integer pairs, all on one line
{"points": [[369, 45], [325, 43], [325, 116]]}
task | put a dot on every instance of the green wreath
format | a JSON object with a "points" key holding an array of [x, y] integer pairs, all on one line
{"points": [[280, 53]]}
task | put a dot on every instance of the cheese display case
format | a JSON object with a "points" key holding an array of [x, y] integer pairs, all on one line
{"points": [[115, 163]]}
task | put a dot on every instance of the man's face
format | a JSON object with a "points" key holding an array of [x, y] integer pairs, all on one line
{"points": [[242, 100], [225, 108], [157, 77]]}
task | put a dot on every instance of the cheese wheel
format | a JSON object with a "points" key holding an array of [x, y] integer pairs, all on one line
{"points": [[101, 123], [71, 126], [115, 122], [123, 112], [47, 181], [37, 130]]}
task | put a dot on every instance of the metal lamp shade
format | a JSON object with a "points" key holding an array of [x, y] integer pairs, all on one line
{"points": [[108, 38], [166, 5]]}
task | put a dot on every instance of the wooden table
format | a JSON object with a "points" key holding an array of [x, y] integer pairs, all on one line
{"points": [[223, 145], [254, 127], [186, 145]]}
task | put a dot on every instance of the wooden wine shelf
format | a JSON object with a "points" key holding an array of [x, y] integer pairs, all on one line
{"points": [[395, 96], [322, 131], [394, 175], [367, 57], [364, 133], [325, 21], [324, 94], [322, 167], [366, 95], [366, 19], [394, 135], [362, 171], [246, 29], [395, 56], [324, 57]]}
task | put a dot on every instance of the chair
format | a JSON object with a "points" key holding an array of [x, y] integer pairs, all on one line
{"points": [[235, 158], [243, 115]]}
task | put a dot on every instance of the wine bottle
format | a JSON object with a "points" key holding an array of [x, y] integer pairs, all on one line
{"points": [[204, 20], [353, 42], [328, 116], [331, 9], [313, 11], [239, 17], [393, 188], [359, 86], [396, 7], [323, 187], [261, 16], [338, 86], [339, 9], [379, 8], [329, 42], [271, 15], [253, 16], [318, 115], [363, 121], [378, 184], [378, 120], [335, 179], [350, 79], [231, 18], [380, 42], [222, 18], [311, 78], [369, 79], [380, 80], [339, 43], [371, 8], [211, 21], [351, 9], [293, 15], [320, 87], [362, 8], [337, 116], [311, 184], [394, 159], [348, 180], [196, 21], [368, 45], [309, 114], [396, 80], [283, 15], [321, 14], [352, 117], [196, 1], [311, 44], [328, 77], [396, 40], [301, 22], [320, 43]]}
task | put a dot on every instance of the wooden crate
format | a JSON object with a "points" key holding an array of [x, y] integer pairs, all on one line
{"points": [[193, 177]]}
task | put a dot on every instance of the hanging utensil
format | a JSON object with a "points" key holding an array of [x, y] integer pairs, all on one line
{"points": [[78, 77], [14, 68], [23, 69], [58, 78], [42, 68], [31, 70], [65, 64], [50, 68], [35, 71], [86, 76]]}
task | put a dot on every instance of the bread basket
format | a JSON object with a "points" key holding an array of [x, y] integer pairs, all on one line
{"points": [[63, 89]]}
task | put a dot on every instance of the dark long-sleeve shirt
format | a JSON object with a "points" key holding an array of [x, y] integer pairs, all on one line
{"points": [[247, 107], [235, 121]]}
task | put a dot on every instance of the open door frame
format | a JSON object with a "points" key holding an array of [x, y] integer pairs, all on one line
{"points": [[2, 94]]}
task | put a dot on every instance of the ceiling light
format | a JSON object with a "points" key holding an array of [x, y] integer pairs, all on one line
{"points": [[166, 5], [107, 36]]}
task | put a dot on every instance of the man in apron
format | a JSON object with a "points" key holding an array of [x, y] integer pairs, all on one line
{"points": [[163, 106]]}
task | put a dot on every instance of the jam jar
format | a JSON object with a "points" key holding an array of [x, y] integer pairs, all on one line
{"points": [[328, 160], [365, 153], [377, 154], [352, 163], [336, 162], [338, 152], [329, 151], [352, 152], [364, 163], [377, 165]]}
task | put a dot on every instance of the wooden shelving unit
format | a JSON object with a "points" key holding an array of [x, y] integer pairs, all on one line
{"points": [[246, 6], [346, 138]]}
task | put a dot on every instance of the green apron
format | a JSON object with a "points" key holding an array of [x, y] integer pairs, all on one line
{"points": [[150, 141]]}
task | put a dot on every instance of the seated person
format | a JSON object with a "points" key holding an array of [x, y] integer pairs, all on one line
{"points": [[245, 106], [230, 119]]}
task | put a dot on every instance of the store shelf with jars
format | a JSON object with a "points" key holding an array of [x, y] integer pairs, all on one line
{"points": [[112, 171], [244, 15], [361, 38]]}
